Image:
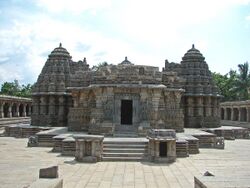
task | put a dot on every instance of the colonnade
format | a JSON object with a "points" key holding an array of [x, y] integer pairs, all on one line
{"points": [[11, 106], [235, 111]]}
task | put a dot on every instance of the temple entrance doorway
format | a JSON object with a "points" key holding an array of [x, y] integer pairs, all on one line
{"points": [[126, 112], [163, 149]]}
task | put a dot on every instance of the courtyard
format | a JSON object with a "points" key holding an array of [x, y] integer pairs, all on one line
{"points": [[19, 167]]}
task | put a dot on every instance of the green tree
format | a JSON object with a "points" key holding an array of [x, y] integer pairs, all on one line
{"points": [[242, 82], [10, 88], [14, 89], [26, 90], [225, 84]]}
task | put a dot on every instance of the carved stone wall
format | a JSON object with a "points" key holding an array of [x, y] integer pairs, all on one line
{"points": [[156, 105]]}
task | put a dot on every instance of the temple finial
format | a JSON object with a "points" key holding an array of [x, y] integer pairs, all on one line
{"points": [[126, 58], [193, 46], [84, 60], [60, 45]]}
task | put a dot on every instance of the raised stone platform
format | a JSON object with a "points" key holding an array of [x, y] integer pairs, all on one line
{"points": [[230, 132], [45, 138], [193, 142], [14, 120], [125, 149], [235, 123], [23, 130]]}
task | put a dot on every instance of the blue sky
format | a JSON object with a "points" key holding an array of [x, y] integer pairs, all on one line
{"points": [[147, 31]]}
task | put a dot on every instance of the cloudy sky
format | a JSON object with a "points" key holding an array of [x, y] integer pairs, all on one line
{"points": [[147, 31]]}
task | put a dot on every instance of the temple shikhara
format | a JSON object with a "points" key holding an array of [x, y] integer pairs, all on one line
{"points": [[126, 98]]}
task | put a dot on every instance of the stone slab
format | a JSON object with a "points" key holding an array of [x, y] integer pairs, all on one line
{"points": [[47, 183]]}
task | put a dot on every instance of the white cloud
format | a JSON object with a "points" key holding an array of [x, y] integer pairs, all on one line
{"points": [[74, 6], [34, 40], [146, 31], [248, 18]]}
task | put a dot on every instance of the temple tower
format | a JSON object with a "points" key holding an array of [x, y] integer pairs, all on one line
{"points": [[51, 100], [201, 98]]}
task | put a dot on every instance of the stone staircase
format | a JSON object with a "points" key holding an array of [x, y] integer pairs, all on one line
{"points": [[124, 149]]}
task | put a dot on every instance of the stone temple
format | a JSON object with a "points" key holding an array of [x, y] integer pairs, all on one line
{"points": [[125, 98]]}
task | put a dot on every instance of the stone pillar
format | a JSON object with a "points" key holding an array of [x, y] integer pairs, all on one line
{"points": [[10, 111], [52, 105], [98, 112], [190, 103], [199, 106], [248, 114], [1, 110], [157, 147], [208, 106], [171, 149], [232, 114], [24, 110], [155, 106]]}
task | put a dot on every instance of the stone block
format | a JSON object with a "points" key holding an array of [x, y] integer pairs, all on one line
{"points": [[50, 172], [47, 183]]}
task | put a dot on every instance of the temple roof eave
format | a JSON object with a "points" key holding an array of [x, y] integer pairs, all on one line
{"points": [[10, 98], [50, 93], [147, 86], [202, 95]]}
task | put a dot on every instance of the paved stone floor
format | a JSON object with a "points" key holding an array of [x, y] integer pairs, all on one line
{"points": [[19, 167]]}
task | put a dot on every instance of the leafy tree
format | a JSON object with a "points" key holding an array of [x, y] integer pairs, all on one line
{"points": [[26, 90], [242, 82], [225, 84], [233, 85], [14, 89]]}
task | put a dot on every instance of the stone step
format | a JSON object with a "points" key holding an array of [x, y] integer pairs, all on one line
{"points": [[124, 150], [126, 134], [123, 155], [122, 158], [128, 146], [127, 141]]}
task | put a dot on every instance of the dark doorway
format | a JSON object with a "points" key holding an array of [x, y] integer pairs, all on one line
{"points": [[21, 110], [163, 149], [126, 112]]}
